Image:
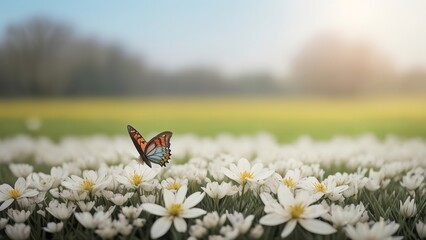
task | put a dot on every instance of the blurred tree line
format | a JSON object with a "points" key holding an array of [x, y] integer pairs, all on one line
{"points": [[43, 57], [331, 65]]}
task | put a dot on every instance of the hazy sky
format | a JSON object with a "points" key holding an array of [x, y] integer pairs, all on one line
{"points": [[240, 35]]}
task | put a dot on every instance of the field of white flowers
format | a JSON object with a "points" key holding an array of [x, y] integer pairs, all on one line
{"points": [[227, 187]]}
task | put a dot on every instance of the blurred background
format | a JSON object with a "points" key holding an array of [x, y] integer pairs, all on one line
{"points": [[288, 68]]}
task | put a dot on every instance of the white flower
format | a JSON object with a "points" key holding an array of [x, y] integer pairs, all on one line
{"points": [[408, 209], [219, 191], [328, 187], [256, 232], [376, 181], [9, 194], [119, 199], [132, 212], [217, 237], [292, 210], [61, 211], [212, 220], [291, 178], [92, 221], [85, 206], [412, 181], [41, 181], [19, 231], [3, 222], [18, 216], [356, 182], [148, 198], [55, 192], [229, 232], [122, 225], [197, 231], [379, 230], [72, 195], [107, 194], [30, 203], [91, 182], [176, 209], [244, 172], [239, 222], [136, 175], [139, 222], [350, 214], [174, 184], [420, 227], [53, 227], [58, 174], [21, 169], [106, 230]]}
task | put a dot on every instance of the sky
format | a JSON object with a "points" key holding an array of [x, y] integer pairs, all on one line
{"points": [[236, 36]]}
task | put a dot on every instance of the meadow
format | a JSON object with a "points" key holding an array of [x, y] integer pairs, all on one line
{"points": [[286, 119], [266, 168]]}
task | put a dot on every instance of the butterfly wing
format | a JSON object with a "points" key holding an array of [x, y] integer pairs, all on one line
{"points": [[157, 150], [139, 142]]}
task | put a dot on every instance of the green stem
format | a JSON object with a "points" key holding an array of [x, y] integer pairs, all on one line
{"points": [[241, 197]]}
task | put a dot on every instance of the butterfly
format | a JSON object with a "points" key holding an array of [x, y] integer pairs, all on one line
{"points": [[157, 150]]}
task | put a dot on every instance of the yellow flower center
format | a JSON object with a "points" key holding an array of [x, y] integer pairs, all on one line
{"points": [[87, 184], [175, 209], [246, 175], [296, 210], [289, 182], [136, 179], [173, 186], [320, 187], [14, 193]]}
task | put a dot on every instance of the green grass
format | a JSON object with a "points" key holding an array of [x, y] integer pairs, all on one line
{"points": [[284, 131], [286, 119]]}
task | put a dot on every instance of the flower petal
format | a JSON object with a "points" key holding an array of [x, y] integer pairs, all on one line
{"points": [[243, 165], [20, 183], [317, 226], [160, 227], [169, 197], [6, 204], [289, 227], [273, 219], [230, 174], [179, 224], [123, 180], [340, 189], [193, 213], [263, 174], [193, 200], [29, 193], [155, 209], [314, 211], [285, 196], [256, 168], [4, 189], [181, 194]]}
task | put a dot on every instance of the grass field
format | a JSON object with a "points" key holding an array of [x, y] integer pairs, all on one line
{"points": [[362, 179], [287, 119]]}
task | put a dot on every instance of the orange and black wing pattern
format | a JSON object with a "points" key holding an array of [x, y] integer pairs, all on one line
{"points": [[137, 139]]}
